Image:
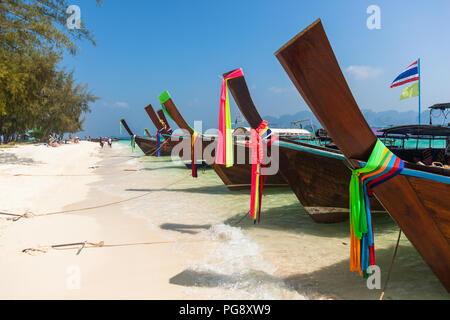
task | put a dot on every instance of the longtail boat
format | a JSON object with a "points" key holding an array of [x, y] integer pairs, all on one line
{"points": [[317, 175], [153, 116], [146, 144], [163, 119], [417, 199], [163, 130], [236, 177]]}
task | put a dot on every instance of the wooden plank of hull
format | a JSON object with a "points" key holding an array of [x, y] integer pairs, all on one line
{"points": [[311, 64], [240, 175], [148, 146], [320, 183], [235, 177]]}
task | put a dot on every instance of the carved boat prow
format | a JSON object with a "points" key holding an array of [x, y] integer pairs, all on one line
{"points": [[418, 201]]}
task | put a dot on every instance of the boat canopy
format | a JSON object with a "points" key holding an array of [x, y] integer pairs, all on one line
{"points": [[278, 131], [411, 131], [440, 106]]}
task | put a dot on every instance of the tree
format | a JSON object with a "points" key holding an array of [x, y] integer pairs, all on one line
{"points": [[26, 24], [33, 38], [62, 105]]}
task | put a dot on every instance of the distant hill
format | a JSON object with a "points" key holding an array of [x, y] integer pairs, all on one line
{"points": [[376, 119]]}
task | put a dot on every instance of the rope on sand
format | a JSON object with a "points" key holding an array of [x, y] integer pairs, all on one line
{"points": [[108, 204], [17, 217], [89, 245], [30, 215], [240, 220], [392, 264]]}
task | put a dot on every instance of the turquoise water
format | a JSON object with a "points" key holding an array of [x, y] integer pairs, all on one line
{"points": [[287, 256], [418, 143], [409, 144]]}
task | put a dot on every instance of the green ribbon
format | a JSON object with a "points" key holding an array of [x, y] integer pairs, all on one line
{"points": [[163, 97], [357, 207]]}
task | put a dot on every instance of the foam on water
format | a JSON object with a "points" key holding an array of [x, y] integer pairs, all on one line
{"points": [[237, 266], [287, 256]]}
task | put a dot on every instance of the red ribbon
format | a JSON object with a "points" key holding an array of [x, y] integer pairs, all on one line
{"points": [[257, 168]]}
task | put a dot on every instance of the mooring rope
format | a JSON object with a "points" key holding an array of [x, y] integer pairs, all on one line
{"points": [[241, 219], [27, 215], [392, 264], [89, 245]]}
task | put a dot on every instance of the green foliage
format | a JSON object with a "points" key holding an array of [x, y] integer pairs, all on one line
{"points": [[34, 93]]}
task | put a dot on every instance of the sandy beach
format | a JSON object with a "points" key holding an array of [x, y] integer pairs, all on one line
{"points": [[152, 232], [39, 180]]}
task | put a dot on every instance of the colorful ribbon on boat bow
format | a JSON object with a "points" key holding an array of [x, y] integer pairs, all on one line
{"points": [[194, 138], [381, 166], [260, 134], [167, 129], [133, 142], [158, 142], [224, 151]]}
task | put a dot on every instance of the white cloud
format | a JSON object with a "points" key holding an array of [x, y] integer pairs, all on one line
{"points": [[363, 72], [279, 90], [121, 104]]}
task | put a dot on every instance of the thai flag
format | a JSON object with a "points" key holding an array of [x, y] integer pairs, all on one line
{"points": [[409, 75]]}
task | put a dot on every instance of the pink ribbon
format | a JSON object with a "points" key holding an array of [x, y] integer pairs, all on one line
{"points": [[224, 151]]}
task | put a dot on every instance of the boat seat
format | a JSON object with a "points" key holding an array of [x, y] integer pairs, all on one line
{"points": [[439, 156], [427, 156]]}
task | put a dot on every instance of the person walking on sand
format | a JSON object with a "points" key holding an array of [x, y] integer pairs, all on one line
{"points": [[101, 142], [110, 142]]}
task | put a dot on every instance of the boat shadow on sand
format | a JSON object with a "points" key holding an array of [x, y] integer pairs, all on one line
{"points": [[211, 189], [290, 218], [409, 279], [293, 218], [200, 190], [185, 228], [10, 158]]}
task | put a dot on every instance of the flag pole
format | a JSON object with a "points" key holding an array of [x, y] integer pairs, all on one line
{"points": [[420, 80]]}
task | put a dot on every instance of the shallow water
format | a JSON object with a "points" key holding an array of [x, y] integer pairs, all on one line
{"points": [[287, 256]]}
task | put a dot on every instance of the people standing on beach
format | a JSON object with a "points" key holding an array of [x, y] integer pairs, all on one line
{"points": [[52, 141], [101, 142], [110, 142]]}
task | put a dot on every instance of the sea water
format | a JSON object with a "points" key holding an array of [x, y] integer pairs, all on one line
{"points": [[286, 256]]}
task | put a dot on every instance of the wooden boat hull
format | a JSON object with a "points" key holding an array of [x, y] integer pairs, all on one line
{"points": [[320, 180], [236, 177], [239, 176], [318, 176], [149, 146], [417, 200]]}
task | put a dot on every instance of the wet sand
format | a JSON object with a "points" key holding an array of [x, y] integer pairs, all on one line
{"points": [[174, 237]]}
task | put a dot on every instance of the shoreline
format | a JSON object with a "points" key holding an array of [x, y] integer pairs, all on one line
{"points": [[123, 269], [167, 236]]}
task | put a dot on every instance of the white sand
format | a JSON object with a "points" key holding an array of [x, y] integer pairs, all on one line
{"points": [[40, 180], [176, 240]]}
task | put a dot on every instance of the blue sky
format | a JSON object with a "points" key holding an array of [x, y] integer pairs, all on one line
{"points": [[146, 47]]}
